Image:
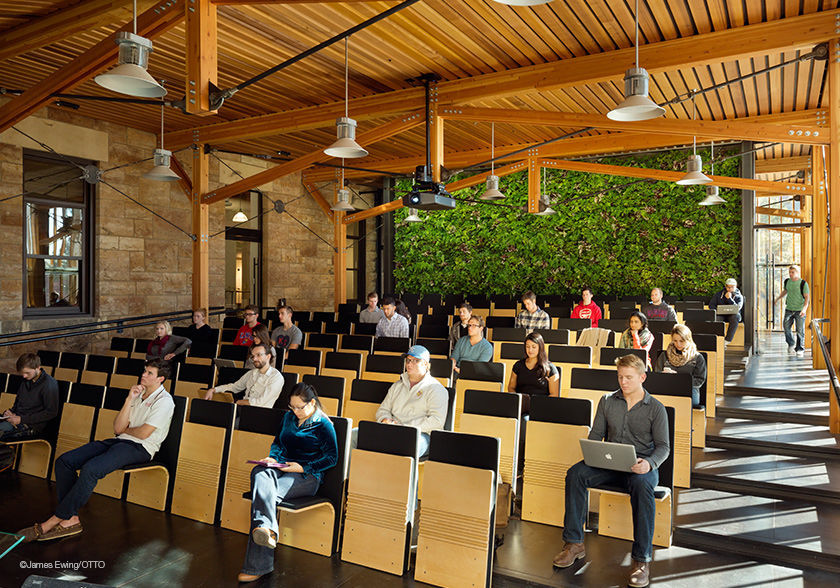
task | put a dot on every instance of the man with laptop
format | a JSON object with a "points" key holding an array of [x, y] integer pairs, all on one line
{"points": [[728, 304], [635, 426]]}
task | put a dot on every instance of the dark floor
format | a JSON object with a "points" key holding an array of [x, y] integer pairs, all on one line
{"points": [[141, 547]]}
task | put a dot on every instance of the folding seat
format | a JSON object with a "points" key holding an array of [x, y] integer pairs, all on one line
{"points": [[203, 352], [381, 488], [431, 330], [70, 366], [232, 323], [127, 372], [77, 418], [121, 346], [303, 361], [141, 347], [477, 375], [590, 384], [438, 348], [330, 392], [309, 326], [235, 353], [324, 342], [98, 369], [364, 329], [501, 322], [35, 455], [503, 305], [384, 368], [608, 355], [391, 345], [193, 380], [228, 335], [342, 365], [202, 460], [507, 335], [339, 327], [674, 390], [49, 360], [227, 375], [568, 357], [441, 370], [460, 485], [361, 344], [365, 398], [349, 308], [555, 426]]}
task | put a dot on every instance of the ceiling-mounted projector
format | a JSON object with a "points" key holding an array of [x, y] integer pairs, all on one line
{"points": [[426, 194]]}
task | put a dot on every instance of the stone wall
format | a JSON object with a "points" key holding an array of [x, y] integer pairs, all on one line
{"points": [[142, 264]]}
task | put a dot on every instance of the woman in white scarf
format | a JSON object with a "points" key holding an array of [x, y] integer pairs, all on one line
{"points": [[682, 357]]}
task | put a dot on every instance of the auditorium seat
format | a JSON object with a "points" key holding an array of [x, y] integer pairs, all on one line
{"points": [[438, 348], [35, 455], [193, 380], [70, 366], [330, 392], [49, 360], [365, 398], [361, 344], [384, 368], [303, 361], [477, 375], [98, 370], [569, 357], [121, 346], [608, 355], [127, 372], [342, 365], [77, 418], [391, 345]]}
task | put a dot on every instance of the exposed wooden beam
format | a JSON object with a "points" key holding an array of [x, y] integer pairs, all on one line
{"points": [[481, 178], [246, 2], [819, 245], [62, 23], [394, 127], [575, 147], [737, 43], [185, 182], [162, 16], [833, 276], [782, 164], [319, 198], [673, 176], [373, 211], [202, 55], [779, 212], [759, 128]]}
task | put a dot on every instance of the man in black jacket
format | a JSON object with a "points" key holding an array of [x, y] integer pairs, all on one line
{"points": [[36, 403], [729, 296]]}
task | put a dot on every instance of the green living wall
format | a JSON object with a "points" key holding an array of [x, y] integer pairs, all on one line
{"points": [[624, 240]]}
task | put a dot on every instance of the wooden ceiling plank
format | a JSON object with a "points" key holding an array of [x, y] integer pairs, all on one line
{"points": [[664, 20], [782, 164], [710, 48], [60, 24], [162, 16], [397, 125], [761, 128]]}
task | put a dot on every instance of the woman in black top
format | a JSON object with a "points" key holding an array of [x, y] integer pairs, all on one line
{"points": [[200, 331], [534, 374]]}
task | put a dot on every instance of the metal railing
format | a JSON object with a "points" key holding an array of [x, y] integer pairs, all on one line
{"points": [[816, 324], [118, 325]]}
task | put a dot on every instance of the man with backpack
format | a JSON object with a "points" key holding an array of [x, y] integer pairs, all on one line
{"points": [[797, 297]]}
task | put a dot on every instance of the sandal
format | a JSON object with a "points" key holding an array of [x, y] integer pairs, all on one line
{"points": [[32, 533], [58, 532], [265, 537]]}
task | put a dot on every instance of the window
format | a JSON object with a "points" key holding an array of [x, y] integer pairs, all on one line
{"points": [[57, 237]]}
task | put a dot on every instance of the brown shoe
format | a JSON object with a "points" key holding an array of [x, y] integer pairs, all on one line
{"points": [[264, 537], [571, 553], [32, 533], [248, 578], [58, 532], [639, 574]]}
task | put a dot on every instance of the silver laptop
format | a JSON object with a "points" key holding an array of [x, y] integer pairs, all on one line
{"points": [[609, 456], [222, 362], [727, 309]]}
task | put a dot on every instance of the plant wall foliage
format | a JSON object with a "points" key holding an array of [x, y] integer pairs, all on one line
{"points": [[617, 236]]}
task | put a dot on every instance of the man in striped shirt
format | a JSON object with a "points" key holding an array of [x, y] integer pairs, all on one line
{"points": [[533, 317]]}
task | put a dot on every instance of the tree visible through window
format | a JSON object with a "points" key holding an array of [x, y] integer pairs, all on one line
{"points": [[56, 213]]}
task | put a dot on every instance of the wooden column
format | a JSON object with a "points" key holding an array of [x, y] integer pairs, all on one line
{"points": [[833, 276], [201, 229], [340, 257], [534, 169], [805, 253], [437, 147], [818, 247], [202, 55]]}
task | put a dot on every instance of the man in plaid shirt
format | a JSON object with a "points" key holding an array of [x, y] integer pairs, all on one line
{"points": [[533, 317], [392, 324]]}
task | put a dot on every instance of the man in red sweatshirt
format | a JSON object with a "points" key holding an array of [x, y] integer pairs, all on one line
{"points": [[587, 308]]}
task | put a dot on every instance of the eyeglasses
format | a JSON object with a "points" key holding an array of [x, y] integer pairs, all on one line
{"points": [[412, 360], [476, 325], [250, 314], [296, 408]]}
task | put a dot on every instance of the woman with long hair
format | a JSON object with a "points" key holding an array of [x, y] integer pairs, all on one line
{"points": [[637, 335], [165, 345], [534, 374], [304, 448], [681, 357]]}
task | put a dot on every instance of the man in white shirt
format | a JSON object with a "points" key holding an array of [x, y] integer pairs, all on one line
{"points": [[140, 427], [262, 385], [416, 399]]}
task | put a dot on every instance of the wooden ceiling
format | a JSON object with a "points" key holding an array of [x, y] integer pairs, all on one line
{"points": [[455, 39]]}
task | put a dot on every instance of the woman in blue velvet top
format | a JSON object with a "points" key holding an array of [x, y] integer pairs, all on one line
{"points": [[304, 448]]}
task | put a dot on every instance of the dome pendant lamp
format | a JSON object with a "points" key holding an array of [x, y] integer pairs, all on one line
{"points": [[712, 192], [413, 217], [342, 202], [130, 75], [161, 172], [694, 164], [346, 145], [545, 200], [636, 105], [492, 191]]}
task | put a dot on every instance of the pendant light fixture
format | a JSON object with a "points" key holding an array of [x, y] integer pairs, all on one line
{"points": [[636, 105], [161, 172], [345, 145], [694, 164], [545, 200], [130, 75], [342, 202], [413, 216], [712, 192], [240, 216], [492, 191]]}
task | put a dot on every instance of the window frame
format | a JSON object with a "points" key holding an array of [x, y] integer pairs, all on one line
{"points": [[86, 260]]}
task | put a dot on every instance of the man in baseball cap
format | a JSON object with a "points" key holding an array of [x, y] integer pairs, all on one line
{"points": [[416, 399]]}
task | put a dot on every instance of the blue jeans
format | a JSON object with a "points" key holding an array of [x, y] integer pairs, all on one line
{"points": [[580, 476], [269, 486], [792, 316], [95, 460]]}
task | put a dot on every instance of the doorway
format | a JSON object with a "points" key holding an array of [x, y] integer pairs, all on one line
{"points": [[243, 250]]}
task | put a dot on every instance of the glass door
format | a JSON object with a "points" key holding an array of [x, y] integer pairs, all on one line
{"points": [[243, 250]]}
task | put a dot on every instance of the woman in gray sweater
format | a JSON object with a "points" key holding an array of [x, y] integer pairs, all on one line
{"points": [[166, 345]]}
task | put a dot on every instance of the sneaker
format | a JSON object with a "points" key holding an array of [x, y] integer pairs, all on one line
{"points": [[571, 553], [264, 537], [639, 574], [791, 350], [800, 353]]}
